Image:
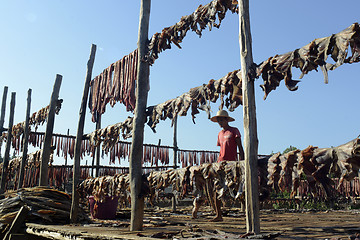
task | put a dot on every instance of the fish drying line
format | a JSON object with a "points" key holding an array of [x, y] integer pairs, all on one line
{"points": [[272, 71], [279, 173], [315, 165], [36, 119]]}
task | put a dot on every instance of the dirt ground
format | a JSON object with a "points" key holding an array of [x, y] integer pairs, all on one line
{"points": [[162, 223]]}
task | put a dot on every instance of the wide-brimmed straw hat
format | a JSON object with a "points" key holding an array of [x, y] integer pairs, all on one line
{"points": [[222, 113]]}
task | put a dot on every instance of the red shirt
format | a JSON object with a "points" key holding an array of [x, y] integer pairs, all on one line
{"points": [[227, 143]]}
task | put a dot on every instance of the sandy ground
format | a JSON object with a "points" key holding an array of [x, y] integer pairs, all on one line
{"points": [[163, 223]]}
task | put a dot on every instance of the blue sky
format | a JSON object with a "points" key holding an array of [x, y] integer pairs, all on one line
{"points": [[40, 39]]}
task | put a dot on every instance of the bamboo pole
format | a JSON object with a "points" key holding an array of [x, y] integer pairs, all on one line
{"points": [[137, 199], [8, 145], [80, 131], [45, 157], [25, 141], [250, 128]]}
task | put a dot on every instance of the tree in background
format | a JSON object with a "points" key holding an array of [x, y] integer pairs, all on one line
{"points": [[289, 149]]}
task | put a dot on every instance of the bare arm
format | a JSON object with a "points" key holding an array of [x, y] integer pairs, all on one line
{"points": [[241, 150]]}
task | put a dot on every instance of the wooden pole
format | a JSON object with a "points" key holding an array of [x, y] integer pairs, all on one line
{"points": [[25, 141], [98, 149], [2, 116], [173, 200], [3, 107], [68, 134], [137, 199], [79, 138], [8, 145], [250, 128], [18, 222], [45, 157]]}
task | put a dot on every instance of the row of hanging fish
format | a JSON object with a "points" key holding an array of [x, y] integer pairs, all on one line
{"points": [[31, 170], [33, 159], [191, 158], [285, 171], [36, 119], [115, 84], [227, 88], [226, 178], [202, 17], [58, 176], [156, 155], [62, 145], [273, 70], [152, 154], [310, 57], [345, 189], [117, 185], [111, 134]]}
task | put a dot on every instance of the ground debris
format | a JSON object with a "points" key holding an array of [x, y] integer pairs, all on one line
{"points": [[195, 232]]}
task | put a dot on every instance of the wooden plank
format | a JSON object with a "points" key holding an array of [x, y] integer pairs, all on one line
{"points": [[45, 157], [8, 145], [137, 199], [25, 141], [79, 137], [250, 128]]}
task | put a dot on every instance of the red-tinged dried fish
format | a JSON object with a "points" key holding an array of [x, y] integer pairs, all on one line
{"points": [[115, 84]]}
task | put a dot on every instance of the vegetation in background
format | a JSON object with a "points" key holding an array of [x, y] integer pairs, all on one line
{"points": [[289, 149]]}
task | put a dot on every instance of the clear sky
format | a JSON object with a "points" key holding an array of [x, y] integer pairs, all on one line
{"points": [[42, 38]]}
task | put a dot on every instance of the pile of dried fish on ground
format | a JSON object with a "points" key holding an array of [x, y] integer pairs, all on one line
{"points": [[316, 165], [46, 205]]}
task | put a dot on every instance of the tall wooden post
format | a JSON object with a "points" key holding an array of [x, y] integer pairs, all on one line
{"points": [[3, 107], [45, 157], [25, 141], [98, 149], [79, 138], [137, 199], [250, 128], [8, 145], [175, 147]]}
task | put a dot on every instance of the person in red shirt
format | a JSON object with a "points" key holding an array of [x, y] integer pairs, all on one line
{"points": [[229, 140]]}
